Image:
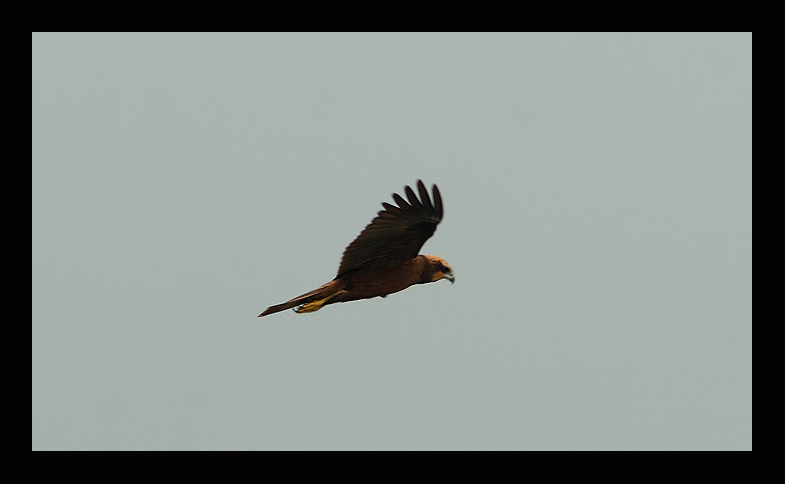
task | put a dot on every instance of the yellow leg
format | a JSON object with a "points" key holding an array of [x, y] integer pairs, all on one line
{"points": [[315, 305]]}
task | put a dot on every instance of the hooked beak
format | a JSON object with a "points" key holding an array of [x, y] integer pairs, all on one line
{"points": [[450, 278]]}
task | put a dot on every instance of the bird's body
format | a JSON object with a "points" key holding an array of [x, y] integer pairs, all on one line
{"points": [[383, 259]]}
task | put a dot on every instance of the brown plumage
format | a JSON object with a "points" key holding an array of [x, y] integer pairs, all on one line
{"points": [[384, 258]]}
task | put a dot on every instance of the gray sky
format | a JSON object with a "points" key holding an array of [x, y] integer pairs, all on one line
{"points": [[598, 216]]}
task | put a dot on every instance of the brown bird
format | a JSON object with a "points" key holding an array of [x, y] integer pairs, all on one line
{"points": [[383, 258]]}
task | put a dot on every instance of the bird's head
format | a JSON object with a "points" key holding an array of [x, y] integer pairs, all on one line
{"points": [[438, 269]]}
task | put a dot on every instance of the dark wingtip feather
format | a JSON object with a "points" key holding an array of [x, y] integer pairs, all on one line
{"points": [[400, 201], [426, 200], [413, 200], [437, 201]]}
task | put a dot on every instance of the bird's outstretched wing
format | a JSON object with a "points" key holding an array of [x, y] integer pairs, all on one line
{"points": [[397, 233]]}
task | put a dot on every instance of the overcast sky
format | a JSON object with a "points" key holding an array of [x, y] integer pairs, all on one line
{"points": [[598, 217]]}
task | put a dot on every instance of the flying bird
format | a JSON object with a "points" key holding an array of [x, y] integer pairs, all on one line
{"points": [[384, 258]]}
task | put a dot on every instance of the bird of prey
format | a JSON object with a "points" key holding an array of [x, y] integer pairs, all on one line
{"points": [[384, 258]]}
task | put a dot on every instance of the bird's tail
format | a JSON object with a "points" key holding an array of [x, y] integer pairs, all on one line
{"points": [[310, 301]]}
